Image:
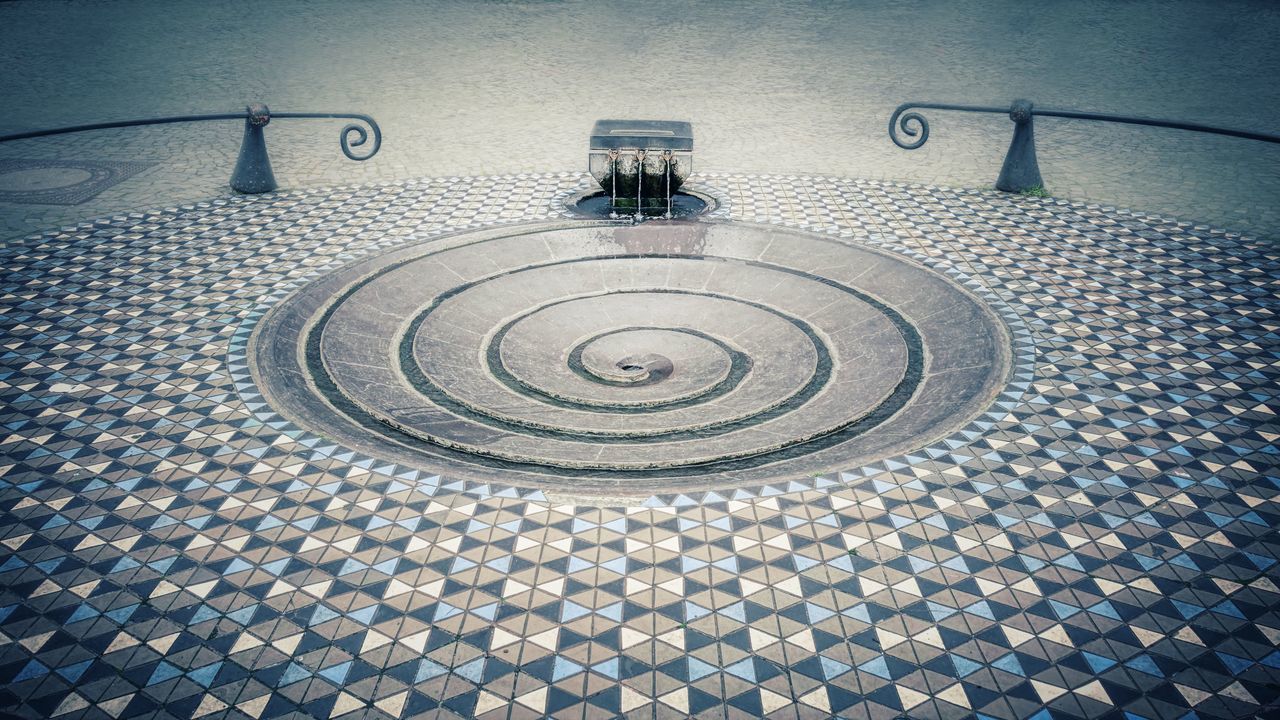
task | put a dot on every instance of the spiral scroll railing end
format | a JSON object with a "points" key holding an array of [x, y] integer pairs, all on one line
{"points": [[900, 121], [362, 137]]}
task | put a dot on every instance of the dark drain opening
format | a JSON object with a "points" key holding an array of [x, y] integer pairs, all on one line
{"points": [[631, 368], [598, 205]]}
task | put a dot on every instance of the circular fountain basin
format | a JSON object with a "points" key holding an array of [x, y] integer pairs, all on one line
{"points": [[632, 358], [598, 205]]}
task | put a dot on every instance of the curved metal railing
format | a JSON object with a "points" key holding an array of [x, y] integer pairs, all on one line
{"points": [[347, 130], [253, 150], [900, 119], [1021, 171]]}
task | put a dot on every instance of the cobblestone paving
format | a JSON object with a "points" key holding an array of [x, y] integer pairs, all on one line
{"points": [[1103, 548], [468, 89]]}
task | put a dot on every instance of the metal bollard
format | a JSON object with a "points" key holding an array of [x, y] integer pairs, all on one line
{"points": [[253, 166], [1021, 171]]}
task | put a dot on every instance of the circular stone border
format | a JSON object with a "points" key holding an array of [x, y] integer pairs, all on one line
{"points": [[1021, 367]]}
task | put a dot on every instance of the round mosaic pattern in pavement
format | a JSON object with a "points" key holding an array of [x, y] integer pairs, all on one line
{"points": [[61, 182], [42, 178], [633, 357]]}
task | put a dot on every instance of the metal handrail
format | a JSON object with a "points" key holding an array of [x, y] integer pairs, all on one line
{"points": [[346, 129], [253, 167], [1021, 171], [120, 124], [899, 121], [342, 138]]}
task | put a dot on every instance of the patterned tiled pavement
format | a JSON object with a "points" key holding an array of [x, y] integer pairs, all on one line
{"points": [[1099, 546]]}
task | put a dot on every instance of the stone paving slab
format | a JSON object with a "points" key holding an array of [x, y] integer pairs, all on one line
{"points": [[1102, 546]]}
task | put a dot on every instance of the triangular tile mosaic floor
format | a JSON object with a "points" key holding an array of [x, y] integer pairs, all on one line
{"points": [[1102, 546]]}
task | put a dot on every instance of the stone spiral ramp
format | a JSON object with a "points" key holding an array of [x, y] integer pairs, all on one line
{"points": [[634, 357]]}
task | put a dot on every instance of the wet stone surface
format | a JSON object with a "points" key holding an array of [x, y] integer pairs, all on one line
{"points": [[592, 356], [628, 357]]}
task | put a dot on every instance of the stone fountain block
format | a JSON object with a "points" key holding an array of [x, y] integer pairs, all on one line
{"points": [[641, 148]]}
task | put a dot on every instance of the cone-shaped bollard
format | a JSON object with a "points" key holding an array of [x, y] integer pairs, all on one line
{"points": [[1021, 171], [253, 167]]}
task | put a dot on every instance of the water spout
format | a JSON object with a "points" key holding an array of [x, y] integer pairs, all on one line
{"points": [[613, 195], [657, 152], [639, 182], [666, 171]]}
